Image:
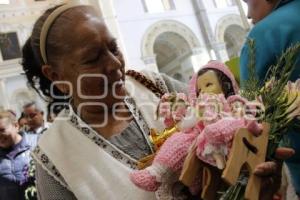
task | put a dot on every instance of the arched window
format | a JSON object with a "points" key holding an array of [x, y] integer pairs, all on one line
{"points": [[155, 6]]}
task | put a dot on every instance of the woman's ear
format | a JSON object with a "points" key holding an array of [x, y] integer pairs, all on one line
{"points": [[49, 73], [54, 77]]}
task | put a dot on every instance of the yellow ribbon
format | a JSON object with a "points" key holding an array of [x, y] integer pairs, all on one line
{"points": [[157, 140]]}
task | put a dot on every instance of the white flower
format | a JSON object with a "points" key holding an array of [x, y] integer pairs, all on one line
{"points": [[293, 92]]}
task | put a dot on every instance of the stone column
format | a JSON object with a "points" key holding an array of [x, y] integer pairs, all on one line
{"points": [[221, 48], [150, 63], [205, 27]]}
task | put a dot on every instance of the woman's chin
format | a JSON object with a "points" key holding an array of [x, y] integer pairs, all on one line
{"points": [[119, 93], [120, 89]]}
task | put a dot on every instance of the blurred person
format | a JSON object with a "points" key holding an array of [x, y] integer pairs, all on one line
{"points": [[14, 158], [36, 124], [276, 27], [22, 121]]}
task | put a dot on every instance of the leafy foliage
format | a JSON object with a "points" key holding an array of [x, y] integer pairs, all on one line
{"points": [[250, 89]]}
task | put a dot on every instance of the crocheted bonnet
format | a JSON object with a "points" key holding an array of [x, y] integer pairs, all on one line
{"points": [[214, 65]]}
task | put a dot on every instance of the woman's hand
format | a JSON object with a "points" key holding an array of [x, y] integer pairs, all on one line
{"points": [[270, 173]]}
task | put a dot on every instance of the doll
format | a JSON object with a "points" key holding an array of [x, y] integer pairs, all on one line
{"points": [[172, 108], [214, 82]]}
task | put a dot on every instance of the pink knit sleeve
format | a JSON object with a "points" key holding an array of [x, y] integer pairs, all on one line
{"points": [[222, 131]]}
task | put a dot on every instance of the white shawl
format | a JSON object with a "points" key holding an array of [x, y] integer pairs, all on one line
{"points": [[92, 167]]}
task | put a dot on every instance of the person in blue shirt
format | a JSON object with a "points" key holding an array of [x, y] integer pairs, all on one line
{"points": [[14, 159], [276, 27]]}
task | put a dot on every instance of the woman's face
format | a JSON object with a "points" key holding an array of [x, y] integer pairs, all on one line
{"points": [[94, 66], [7, 133], [259, 9]]}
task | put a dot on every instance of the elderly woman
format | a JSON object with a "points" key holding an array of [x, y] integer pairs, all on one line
{"points": [[96, 141], [276, 27]]}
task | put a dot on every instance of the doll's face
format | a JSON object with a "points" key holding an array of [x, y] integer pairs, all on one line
{"points": [[238, 109], [209, 83]]}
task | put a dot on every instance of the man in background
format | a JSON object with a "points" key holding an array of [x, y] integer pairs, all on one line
{"points": [[36, 124]]}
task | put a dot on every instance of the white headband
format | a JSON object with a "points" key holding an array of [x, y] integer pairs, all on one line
{"points": [[47, 24]]}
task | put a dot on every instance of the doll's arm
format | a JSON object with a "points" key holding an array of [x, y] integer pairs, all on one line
{"points": [[254, 127], [222, 131], [189, 121]]}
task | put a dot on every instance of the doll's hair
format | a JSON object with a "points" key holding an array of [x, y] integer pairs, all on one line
{"points": [[225, 82]]}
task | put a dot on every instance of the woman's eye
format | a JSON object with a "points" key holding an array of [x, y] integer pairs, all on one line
{"points": [[92, 60], [115, 50]]}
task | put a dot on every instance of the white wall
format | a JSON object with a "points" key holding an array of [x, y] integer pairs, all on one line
{"points": [[16, 84], [216, 14], [134, 22], [13, 84], [19, 17]]}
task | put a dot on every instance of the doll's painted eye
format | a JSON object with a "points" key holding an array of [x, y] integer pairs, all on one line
{"points": [[208, 84]]}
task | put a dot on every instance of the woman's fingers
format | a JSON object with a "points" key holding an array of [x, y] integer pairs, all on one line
{"points": [[284, 153], [267, 169], [272, 168], [270, 172]]}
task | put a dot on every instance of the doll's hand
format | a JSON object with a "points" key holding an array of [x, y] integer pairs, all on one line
{"points": [[189, 121], [254, 128], [270, 173]]}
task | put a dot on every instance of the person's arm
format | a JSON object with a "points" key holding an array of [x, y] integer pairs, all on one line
{"points": [[174, 85], [50, 189]]}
